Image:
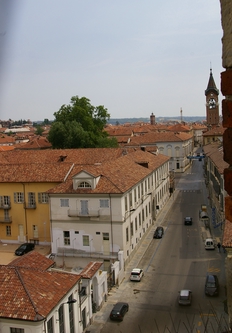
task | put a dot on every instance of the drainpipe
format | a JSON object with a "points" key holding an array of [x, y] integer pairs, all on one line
{"points": [[111, 225], [25, 212]]}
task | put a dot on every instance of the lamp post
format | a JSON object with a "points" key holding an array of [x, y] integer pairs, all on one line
{"points": [[68, 302]]}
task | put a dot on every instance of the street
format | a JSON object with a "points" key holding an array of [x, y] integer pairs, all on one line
{"points": [[177, 261]]}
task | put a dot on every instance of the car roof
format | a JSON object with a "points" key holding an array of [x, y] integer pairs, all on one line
{"points": [[184, 292], [188, 218], [211, 277], [209, 240], [136, 269], [119, 305]]}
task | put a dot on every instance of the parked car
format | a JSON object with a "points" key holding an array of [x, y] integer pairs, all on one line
{"points": [[188, 220], [211, 285], [24, 248], [209, 244], [136, 274], [119, 310], [158, 232], [185, 297]]}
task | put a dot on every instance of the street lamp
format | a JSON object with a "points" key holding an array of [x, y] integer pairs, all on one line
{"points": [[71, 301]]}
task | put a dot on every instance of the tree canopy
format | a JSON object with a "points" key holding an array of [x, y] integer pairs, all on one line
{"points": [[80, 125]]}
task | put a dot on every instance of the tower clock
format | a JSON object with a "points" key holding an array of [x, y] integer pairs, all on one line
{"points": [[212, 105]]}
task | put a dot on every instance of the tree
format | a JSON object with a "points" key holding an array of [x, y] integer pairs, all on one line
{"points": [[39, 130], [80, 125]]}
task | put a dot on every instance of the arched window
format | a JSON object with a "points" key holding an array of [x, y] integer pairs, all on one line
{"points": [[84, 185]]}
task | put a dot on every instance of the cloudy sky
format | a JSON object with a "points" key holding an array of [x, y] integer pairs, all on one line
{"points": [[134, 57]]}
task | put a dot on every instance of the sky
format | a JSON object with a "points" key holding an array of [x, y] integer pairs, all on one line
{"points": [[134, 57]]}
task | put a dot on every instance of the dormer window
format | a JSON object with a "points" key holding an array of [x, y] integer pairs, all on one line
{"points": [[84, 185]]}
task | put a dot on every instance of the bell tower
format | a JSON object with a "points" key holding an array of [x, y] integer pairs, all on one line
{"points": [[212, 105]]}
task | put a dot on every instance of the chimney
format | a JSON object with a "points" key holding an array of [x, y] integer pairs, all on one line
{"points": [[152, 119]]}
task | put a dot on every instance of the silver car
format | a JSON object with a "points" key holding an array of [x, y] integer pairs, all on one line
{"points": [[185, 297]]}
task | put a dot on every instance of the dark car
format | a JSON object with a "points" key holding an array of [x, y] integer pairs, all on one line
{"points": [[158, 232], [211, 285], [188, 220], [24, 248], [119, 310]]}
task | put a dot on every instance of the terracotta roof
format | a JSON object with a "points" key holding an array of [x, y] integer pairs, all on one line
{"points": [[216, 130], [116, 176], [37, 142], [157, 137], [32, 259], [78, 156], [227, 235], [43, 173], [30, 294], [91, 269], [215, 152]]}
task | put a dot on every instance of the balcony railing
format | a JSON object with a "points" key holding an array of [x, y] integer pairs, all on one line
{"points": [[5, 206], [89, 213], [4, 219]]}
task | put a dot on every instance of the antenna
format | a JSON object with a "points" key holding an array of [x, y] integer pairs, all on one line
{"points": [[181, 115]]}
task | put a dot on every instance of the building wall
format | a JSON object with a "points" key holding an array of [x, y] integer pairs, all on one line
{"points": [[178, 152], [126, 220], [24, 219], [226, 89]]}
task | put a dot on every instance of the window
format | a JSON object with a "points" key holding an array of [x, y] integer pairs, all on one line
{"points": [[18, 197], [127, 234], [126, 206], [50, 326], [16, 330], [71, 315], [84, 185], [139, 219], [42, 197], [64, 202], [85, 240], [146, 211], [136, 224], [106, 236], [132, 229], [142, 189], [66, 237], [61, 319], [139, 192], [130, 199], [8, 230], [104, 203], [5, 201], [7, 217], [135, 195], [143, 215], [31, 199]]}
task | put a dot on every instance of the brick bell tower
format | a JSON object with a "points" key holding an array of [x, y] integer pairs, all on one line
{"points": [[212, 105]]}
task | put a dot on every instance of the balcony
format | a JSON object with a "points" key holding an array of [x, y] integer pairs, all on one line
{"points": [[4, 219], [104, 212], [5, 206]]}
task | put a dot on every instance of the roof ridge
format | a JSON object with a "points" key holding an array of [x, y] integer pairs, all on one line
{"points": [[37, 316]]}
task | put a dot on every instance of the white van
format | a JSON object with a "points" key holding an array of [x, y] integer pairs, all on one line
{"points": [[209, 244]]}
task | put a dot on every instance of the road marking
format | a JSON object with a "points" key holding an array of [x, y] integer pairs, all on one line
{"points": [[208, 315], [213, 269]]}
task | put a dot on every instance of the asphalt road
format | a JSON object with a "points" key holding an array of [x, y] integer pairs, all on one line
{"points": [[177, 261]]}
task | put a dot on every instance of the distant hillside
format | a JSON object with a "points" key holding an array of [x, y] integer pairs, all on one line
{"points": [[114, 121]]}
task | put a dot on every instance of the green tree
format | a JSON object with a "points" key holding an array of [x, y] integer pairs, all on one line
{"points": [[39, 130], [80, 125]]}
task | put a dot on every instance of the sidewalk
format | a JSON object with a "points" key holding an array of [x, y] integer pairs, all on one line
{"points": [[101, 316]]}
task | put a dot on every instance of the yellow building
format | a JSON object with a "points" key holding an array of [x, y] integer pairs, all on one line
{"points": [[24, 203]]}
